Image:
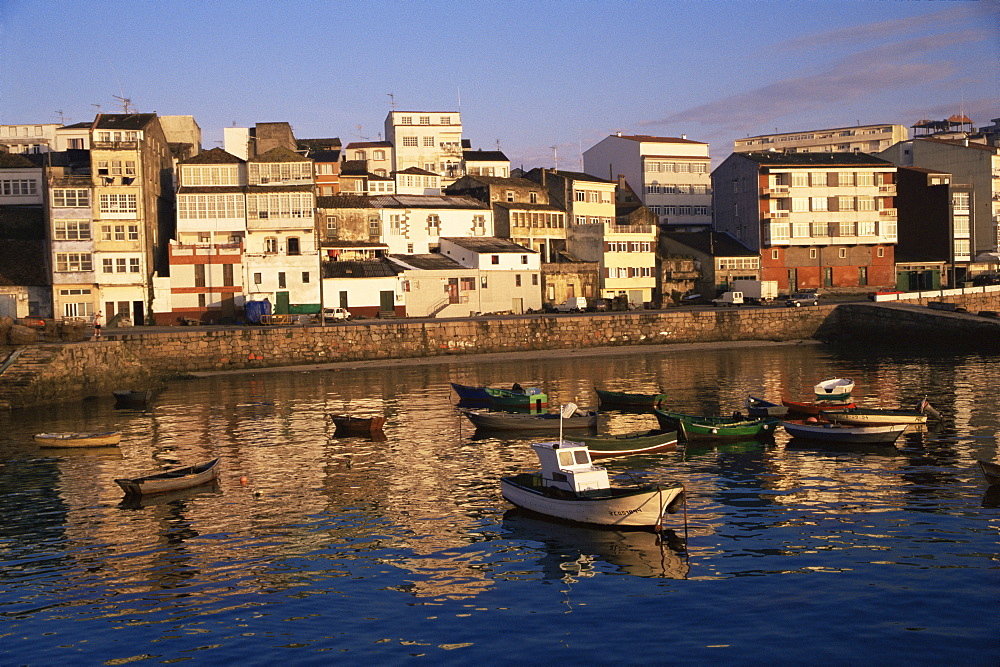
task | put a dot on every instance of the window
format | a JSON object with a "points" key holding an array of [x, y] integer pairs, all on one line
{"points": [[533, 197], [428, 141], [70, 198], [800, 204], [494, 259], [817, 203], [774, 253], [845, 203], [524, 259], [107, 265], [817, 179], [534, 278], [406, 120], [579, 195], [445, 120], [800, 179], [271, 245], [510, 195], [305, 277], [517, 280], [865, 179], [410, 141], [960, 201], [479, 223], [842, 253], [280, 205], [74, 261], [227, 275], [210, 207], [72, 230], [847, 228], [467, 284], [866, 228], [378, 155], [292, 246], [199, 275], [425, 120], [846, 179], [880, 252], [202, 301], [18, 187], [433, 224], [331, 225], [281, 280], [257, 279], [866, 203], [118, 203], [812, 253], [820, 229]]}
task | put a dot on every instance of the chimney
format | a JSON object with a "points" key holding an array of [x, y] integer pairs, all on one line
{"points": [[684, 136], [619, 133], [543, 176]]}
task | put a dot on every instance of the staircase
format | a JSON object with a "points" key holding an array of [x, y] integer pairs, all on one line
{"points": [[21, 370]]}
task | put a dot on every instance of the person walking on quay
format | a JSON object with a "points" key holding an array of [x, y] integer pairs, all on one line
{"points": [[97, 325]]}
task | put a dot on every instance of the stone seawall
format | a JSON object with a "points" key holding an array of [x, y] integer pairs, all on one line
{"points": [[135, 360], [48, 373]]}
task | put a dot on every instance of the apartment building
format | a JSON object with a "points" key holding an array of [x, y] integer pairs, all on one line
{"points": [[818, 220], [521, 211], [281, 254], [625, 253], [670, 175], [973, 164], [25, 279], [206, 275], [486, 163], [377, 156], [132, 205], [428, 140], [856, 139]]}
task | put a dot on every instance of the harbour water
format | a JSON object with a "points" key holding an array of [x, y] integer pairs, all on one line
{"points": [[382, 552]]}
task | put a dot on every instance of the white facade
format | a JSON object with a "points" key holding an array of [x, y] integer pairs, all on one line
{"points": [[21, 186], [428, 140], [857, 139], [413, 224], [29, 138], [670, 175]]}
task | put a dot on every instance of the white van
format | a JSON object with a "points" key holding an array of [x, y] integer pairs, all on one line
{"points": [[574, 304]]}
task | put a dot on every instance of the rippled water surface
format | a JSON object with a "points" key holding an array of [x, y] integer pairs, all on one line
{"points": [[352, 550]]}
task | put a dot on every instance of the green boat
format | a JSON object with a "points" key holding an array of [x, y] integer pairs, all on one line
{"points": [[693, 427], [627, 444], [623, 399], [514, 399]]}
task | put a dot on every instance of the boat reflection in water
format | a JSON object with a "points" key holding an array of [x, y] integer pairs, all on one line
{"points": [[574, 549]]}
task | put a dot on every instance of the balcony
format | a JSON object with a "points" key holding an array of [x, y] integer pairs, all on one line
{"points": [[888, 213], [778, 216], [887, 190], [775, 190], [628, 229], [115, 145]]}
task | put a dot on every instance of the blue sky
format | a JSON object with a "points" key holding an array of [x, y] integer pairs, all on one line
{"points": [[545, 79]]}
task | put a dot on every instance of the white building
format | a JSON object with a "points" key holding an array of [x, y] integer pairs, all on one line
{"points": [[855, 139], [414, 224], [429, 140], [671, 175]]}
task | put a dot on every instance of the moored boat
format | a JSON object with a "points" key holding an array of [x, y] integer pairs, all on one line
{"points": [[570, 487], [105, 439], [568, 418], [758, 407], [171, 480], [991, 471], [610, 399], [135, 399], [843, 433], [628, 444], [816, 407], [876, 416], [470, 394], [694, 427], [517, 399], [351, 425], [835, 389]]}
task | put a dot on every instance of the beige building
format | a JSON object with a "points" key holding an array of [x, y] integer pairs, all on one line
{"points": [[857, 139], [671, 175]]}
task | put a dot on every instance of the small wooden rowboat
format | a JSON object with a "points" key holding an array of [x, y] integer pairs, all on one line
{"points": [[816, 407], [843, 433], [171, 480], [349, 425], [611, 399], [694, 427], [991, 471], [627, 444], [876, 416], [758, 407], [132, 398], [571, 487], [107, 439], [517, 399], [550, 421], [836, 389]]}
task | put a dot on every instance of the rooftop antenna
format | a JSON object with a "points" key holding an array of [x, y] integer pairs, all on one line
{"points": [[459, 99], [555, 157], [62, 119], [392, 101], [98, 107], [362, 138], [126, 104], [498, 144]]}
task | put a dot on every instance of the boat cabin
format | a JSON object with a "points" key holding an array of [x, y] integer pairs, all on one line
{"points": [[567, 466]]}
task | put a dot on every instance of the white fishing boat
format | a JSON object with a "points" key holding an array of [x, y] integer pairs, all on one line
{"points": [[569, 486], [836, 389], [843, 433]]}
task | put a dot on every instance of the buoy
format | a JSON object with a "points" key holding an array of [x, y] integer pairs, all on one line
{"points": [[243, 480]]}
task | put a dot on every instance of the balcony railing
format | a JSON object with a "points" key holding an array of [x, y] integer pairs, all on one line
{"points": [[887, 213], [775, 190], [887, 189], [629, 229]]}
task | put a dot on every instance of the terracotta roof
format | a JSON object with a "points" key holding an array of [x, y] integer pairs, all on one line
{"points": [[123, 121], [488, 244], [213, 156], [662, 140], [368, 144], [280, 154]]}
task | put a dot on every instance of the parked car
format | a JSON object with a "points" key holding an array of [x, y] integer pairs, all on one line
{"points": [[335, 314], [884, 290], [984, 279], [574, 304], [802, 299], [600, 305]]}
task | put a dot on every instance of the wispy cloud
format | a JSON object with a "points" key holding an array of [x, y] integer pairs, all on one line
{"points": [[866, 73]]}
